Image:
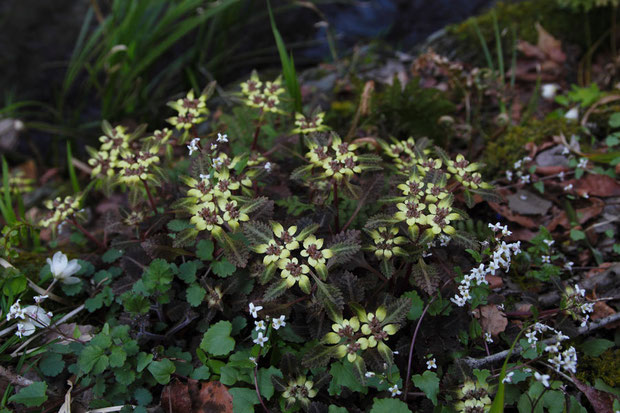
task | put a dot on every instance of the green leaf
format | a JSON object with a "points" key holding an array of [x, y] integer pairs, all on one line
{"points": [[335, 409], [144, 359], [594, 347], [93, 359], [612, 140], [389, 406], [177, 225], [201, 373], [112, 255], [161, 370], [275, 290], [125, 376], [428, 383], [187, 271], [343, 376], [243, 399], [143, 396], [117, 357], [223, 268], [195, 294], [614, 120], [330, 298], [577, 235], [265, 384], [31, 396], [204, 250], [540, 186], [217, 340], [52, 364]]}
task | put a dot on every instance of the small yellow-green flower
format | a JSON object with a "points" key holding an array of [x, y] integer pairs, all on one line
{"points": [[413, 187], [201, 189], [252, 86], [60, 211], [232, 214], [310, 124], [440, 216], [345, 329], [411, 211], [294, 272], [190, 105], [274, 252], [429, 164], [374, 328], [343, 150], [206, 217], [386, 243], [286, 237], [312, 250], [299, 390]]}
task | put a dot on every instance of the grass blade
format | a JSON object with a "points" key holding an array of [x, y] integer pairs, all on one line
{"points": [[74, 181], [483, 43]]}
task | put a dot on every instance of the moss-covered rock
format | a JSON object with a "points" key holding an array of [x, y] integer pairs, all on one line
{"points": [[561, 22], [605, 367], [509, 147]]}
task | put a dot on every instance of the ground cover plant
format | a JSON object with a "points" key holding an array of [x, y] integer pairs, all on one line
{"points": [[270, 255]]}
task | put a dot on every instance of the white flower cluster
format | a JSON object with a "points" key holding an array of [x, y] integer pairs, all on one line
{"points": [[518, 171], [577, 304], [560, 359], [261, 326], [500, 259], [29, 318]]}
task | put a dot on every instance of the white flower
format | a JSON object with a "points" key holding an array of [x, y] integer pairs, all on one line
{"points": [[213, 146], [517, 164], [487, 337], [546, 259], [253, 360], [495, 227], [531, 337], [585, 195], [561, 176], [458, 300], [572, 114], [205, 177], [579, 291], [549, 90], [394, 390], [549, 242], [569, 265], [254, 309], [222, 138], [568, 187], [508, 378], [553, 348], [35, 317], [505, 231], [509, 175], [62, 269], [261, 340], [525, 179], [39, 298], [193, 146], [15, 312], [217, 162], [565, 151], [279, 322], [260, 325], [543, 378], [431, 364], [583, 163], [268, 166], [369, 374]]}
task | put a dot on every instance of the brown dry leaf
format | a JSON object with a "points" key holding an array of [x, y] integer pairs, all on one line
{"points": [[602, 310], [494, 281], [196, 397], [601, 402], [598, 185], [492, 319], [510, 216], [528, 203], [549, 45]]}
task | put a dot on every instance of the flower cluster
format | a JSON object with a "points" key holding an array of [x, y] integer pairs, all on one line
{"points": [[190, 111], [559, 358], [575, 303], [473, 397], [19, 183], [278, 253], [29, 318], [311, 124], [60, 211], [500, 259], [338, 161], [364, 331], [264, 96], [261, 325], [299, 390]]}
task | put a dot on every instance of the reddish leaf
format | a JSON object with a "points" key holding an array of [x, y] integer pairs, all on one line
{"points": [[598, 185], [492, 319], [601, 401], [196, 397]]}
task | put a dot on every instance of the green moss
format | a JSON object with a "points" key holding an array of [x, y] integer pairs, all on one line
{"points": [[605, 367], [509, 147], [562, 23]]}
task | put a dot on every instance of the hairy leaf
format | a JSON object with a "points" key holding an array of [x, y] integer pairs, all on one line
{"points": [[380, 220], [317, 356], [275, 290], [387, 268], [257, 232], [330, 298], [344, 246], [425, 277], [349, 284], [397, 311], [466, 240], [236, 251], [488, 195], [294, 206], [301, 173]]}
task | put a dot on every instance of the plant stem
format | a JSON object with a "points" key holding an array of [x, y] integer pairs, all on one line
{"points": [[336, 202], [148, 193], [257, 132], [415, 334], [87, 233], [260, 399]]}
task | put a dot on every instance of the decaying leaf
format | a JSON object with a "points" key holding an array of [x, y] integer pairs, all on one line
{"points": [[527, 203], [601, 402], [493, 320], [195, 396]]}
